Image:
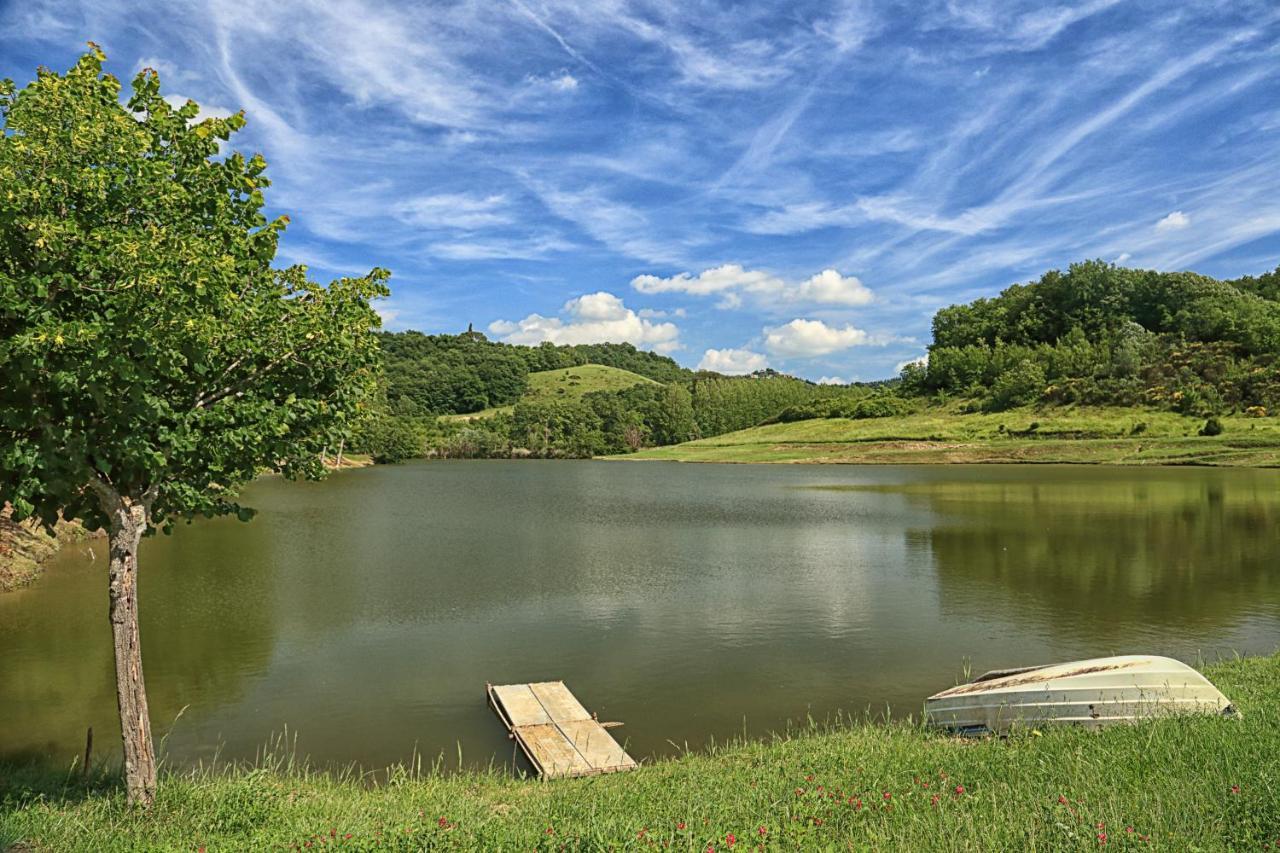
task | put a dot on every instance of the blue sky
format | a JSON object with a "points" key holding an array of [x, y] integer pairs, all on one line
{"points": [[798, 185]]}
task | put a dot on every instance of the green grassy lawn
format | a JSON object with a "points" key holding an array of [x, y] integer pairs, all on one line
{"points": [[1174, 784], [568, 383], [944, 434]]}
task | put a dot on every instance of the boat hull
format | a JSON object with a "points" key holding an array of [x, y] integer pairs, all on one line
{"points": [[1090, 693]]}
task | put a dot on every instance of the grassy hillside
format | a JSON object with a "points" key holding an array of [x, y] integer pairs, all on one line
{"points": [[1106, 435], [568, 383], [1205, 783]]}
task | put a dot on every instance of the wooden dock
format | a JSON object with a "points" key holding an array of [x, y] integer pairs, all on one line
{"points": [[556, 733]]}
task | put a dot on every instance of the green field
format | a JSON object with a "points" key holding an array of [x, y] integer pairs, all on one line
{"points": [[1207, 783], [940, 434], [568, 383]]}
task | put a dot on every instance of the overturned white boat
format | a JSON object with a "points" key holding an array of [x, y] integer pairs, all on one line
{"points": [[1092, 693]]}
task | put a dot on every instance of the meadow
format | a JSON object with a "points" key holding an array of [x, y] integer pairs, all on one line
{"points": [[948, 434]]}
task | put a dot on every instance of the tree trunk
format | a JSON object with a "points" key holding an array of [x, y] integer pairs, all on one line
{"points": [[341, 443], [128, 521]]}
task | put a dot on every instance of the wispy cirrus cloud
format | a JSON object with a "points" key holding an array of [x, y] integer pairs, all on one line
{"points": [[939, 155]]}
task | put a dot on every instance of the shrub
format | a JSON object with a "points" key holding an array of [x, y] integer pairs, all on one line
{"points": [[1017, 386], [1212, 426]]}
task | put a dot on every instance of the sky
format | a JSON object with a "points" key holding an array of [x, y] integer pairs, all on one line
{"points": [[796, 185]]}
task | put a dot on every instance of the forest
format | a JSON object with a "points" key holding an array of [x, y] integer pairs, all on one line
{"points": [[1106, 335], [1096, 334]]}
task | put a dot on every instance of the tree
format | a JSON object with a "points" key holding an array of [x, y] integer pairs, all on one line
{"points": [[153, 359]]}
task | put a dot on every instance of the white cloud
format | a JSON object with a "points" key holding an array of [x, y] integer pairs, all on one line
{"points": [[1122, 258], [733, 361], [731, 281], [591, 319], [561, 81], [206, 110], [454, 210], [1175, 221], [808, 338], [922, 361], [830, 287], [832, 380], [566, 82]]}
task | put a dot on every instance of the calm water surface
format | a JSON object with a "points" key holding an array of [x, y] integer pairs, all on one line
{"points": [[367, 612]]}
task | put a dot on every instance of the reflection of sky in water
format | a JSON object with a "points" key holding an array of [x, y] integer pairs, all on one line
{"points": [[366, 613]]}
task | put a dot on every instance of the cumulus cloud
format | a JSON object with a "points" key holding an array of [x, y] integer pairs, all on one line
{"points": [[591, 319], [922, 361], [731, 281], [830, 287], [1175, 221], [808, 338], [733, 361], [832, 380]]}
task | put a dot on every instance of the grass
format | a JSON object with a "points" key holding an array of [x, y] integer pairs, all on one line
{"points": [[1173, 784], [569, 383], [940, 434]]}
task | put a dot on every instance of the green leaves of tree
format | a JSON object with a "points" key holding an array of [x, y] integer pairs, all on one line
{"points": [[146, 341]]}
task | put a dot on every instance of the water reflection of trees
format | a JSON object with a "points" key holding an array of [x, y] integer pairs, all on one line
{"points": [[1170, 552], [202, 633]]}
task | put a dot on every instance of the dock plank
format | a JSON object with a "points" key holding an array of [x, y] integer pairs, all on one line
{"points": [[558, 702], [596, 745], [559, 736], [521, 705], [555, 755]]}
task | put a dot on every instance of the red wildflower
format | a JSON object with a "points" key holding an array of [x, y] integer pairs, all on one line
{"points": [[731, 839], [443, 821], [550, 831], [934, 799], [763, 831], [1235, 789], [888, 796], [347, 836], [1102, 838], [1063, 800], [959, 789], [680, 826], [1129, 829], [809, 778], [817, 821], [799, 792]]}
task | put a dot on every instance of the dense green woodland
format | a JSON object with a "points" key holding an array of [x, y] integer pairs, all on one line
{"points": [[427, 376], [1096, 334], [1103, 334]]}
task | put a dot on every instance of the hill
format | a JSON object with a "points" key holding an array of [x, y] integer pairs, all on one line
{"points": [[947, 433], [468, 373], [566, 384]]}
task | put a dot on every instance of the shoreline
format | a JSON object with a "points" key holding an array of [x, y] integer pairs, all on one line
{"points": [[861, 783]]}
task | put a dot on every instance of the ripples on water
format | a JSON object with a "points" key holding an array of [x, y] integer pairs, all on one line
{"points": [[367, 612]]}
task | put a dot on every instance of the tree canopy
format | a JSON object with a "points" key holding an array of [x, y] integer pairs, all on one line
{"points": [[147, 342]]}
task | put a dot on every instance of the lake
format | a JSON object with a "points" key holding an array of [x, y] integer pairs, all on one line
{"points": [[365, 613]]}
